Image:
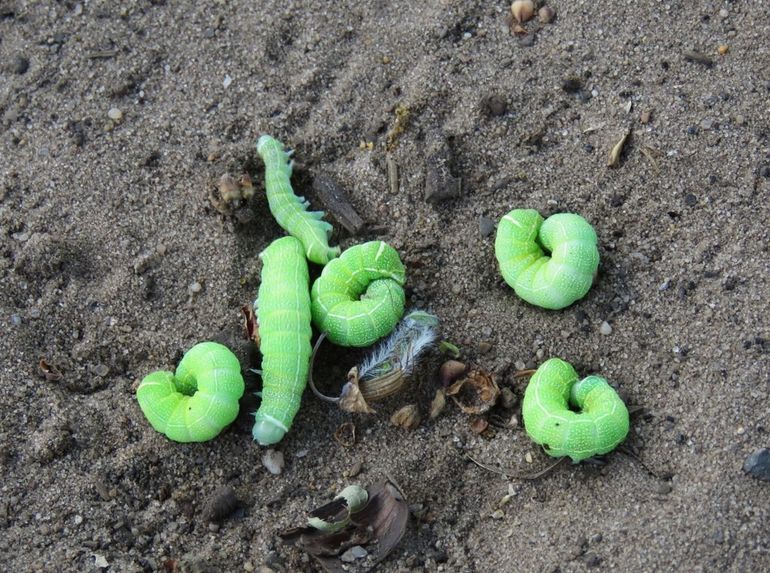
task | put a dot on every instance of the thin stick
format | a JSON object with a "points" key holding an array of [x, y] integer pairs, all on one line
{"points": [[508, 475], [522, 373], [310, 381]]}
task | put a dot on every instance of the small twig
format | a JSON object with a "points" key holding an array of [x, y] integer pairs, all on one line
{"points": [[511, 475], [392, 174], [523, 373], [310, 381]]}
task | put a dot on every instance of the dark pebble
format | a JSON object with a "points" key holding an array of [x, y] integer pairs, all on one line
{"points": [[592, 560], [572, 85], [712, 179], [527, 41], [690, 200], [588, 148], [692, 130], [221, 504], [758, 464], [494, 106], [617, 201], [486, 226], [765, 171], [20, 65]]}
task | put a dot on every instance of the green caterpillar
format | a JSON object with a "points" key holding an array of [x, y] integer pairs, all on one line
{"points": [[289, 210], [196, 403], [599, 426], [550, 282], [359, 297], [283, 314]]}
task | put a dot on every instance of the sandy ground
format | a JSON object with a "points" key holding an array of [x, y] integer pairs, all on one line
{"points": [[107, 227]]}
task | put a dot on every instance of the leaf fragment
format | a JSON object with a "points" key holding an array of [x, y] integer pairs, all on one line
{"points": [[475, 393], [617, 149]]}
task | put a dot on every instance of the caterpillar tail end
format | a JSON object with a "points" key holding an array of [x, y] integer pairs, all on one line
{"points": [[267, 432]]}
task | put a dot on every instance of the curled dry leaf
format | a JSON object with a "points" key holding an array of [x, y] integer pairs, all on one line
{"points": [[381, 523], [407, 417], [50, 372], [345, 435], [475, 393]]}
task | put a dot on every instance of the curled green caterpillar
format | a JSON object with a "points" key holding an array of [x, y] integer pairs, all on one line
{"points": [[283, 314], [198, 401], [359, 297], [291, 211], [554, 281], [597, 428]]}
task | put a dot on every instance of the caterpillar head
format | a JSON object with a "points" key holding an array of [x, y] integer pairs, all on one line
{"points": [[268, 431]]}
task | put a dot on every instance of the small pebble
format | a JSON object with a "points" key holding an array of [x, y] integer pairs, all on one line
{"points": [[528, 457], [273, 462], [605, 329], [707, 123], [498, 514], [355, 552], [115, 114], [690, 200], [78, 519], [486, 226], [227, 81], [663, 488], [101, 370], [16, 320], [34, 313], [723, 13], [758, 464], [195, 287], [20, 65]]}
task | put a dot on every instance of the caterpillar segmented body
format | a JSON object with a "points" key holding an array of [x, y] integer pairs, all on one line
{"points": [[359, 297], [198, 401], [554, 281], [600, 425], [291, 211], [283, 314]]}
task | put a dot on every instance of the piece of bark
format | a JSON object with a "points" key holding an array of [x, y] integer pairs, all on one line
{"points": [[334, 198]]}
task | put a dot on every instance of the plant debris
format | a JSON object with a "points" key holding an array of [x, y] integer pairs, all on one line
{"points": [[250, 324], [336, 201], [617, 149], [438, 404], [407, 417], [476, 393], [228, 194], [345, 435], [378, 526], [387, 369], [450, 371], [403, 113], [446, 347], [50, 372]]}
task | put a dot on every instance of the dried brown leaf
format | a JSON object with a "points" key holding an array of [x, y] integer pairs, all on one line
{"points": [[380, 523], [476, 393], [387, 514]]}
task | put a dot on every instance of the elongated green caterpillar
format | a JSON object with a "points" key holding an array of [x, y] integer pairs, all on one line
{"points": [[283, 314], [291, 211], [599, 426], [359, 297], [551, 282], [197, 402]]}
